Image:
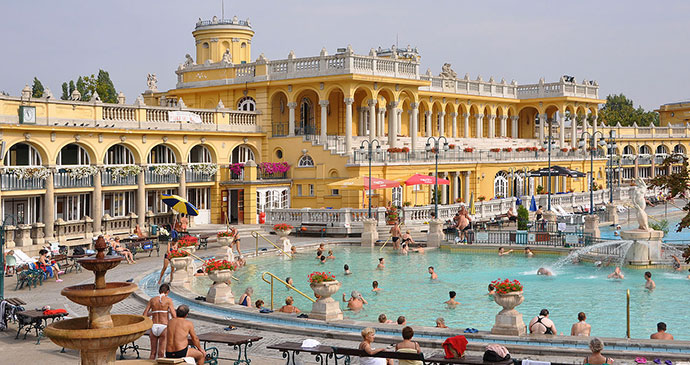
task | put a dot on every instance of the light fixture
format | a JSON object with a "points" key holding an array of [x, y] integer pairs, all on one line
{"points": [[581, 143], [428, 147]]}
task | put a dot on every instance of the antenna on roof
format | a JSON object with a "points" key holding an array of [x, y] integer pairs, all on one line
{"points": [[396, 40], [222, 9]]}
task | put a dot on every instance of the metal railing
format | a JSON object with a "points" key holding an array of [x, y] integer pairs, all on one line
{"points": [[262, 175], [256, 235], [263, 277], [197, 176], [10, 181], [109, 179], [280, 129], [64, 180], [461, 155], [153, 178]]}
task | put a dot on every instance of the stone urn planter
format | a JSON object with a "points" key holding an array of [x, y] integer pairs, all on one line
{"points": [[509, 320], [283, 233], [326, 308], [220, 291], [224, 241], [180, 275], [190, 249]]}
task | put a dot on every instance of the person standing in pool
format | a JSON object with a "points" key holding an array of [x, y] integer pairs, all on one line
{"points": [[346, 267], [581, 328], [649, 284], [395, 235], [356, 301], [676, 263], [616, 274], [432, 273], [382, 264], [503, 252], [528, 252], [452, 302], [375, 286], [492, 289], [661, 333]]}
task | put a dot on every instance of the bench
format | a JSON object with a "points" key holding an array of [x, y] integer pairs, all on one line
{"points": [[35, 320], [323, 353], [65, 263], [313, 228], [203, 241], [143, 244]]}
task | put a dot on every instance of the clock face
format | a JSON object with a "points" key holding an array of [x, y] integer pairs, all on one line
{"points": [[28, 114]]}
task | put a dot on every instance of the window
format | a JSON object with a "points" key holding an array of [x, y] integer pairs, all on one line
{"points": [[199, 154], [272, 198], [154, 202], [161, 154], [24, 210], [246, 104], [644, 172], [311, 189], [72, 207], [679, 149], [660, 171], [645, 150], [397, 196], [661, 150], [518, 185], [299, 190], [119, 155], [628, 172], [279, 153], [305, 161], [628, 150], [73, 154], [199, 197], [500, 185], [242, 154], [22, 154], [119, 204], [335, 192]]}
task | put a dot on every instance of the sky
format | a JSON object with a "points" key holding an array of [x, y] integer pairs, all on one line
{"points": [[638, 48]]}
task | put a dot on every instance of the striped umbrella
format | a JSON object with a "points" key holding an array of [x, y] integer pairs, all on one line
{"points": [[179, 204]]}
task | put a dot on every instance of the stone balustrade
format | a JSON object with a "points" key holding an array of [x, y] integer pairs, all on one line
{"points": [[471, 87], [558, 89]]}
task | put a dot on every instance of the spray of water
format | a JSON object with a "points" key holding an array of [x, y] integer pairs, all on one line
{"points": [[610, 252]]}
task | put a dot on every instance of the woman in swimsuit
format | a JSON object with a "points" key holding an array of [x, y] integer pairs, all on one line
{"points": [[408, 346], [368, 338], [235, 240], [172, 246], [160, 309], [246, 298], [596, 358], [47, 266]]}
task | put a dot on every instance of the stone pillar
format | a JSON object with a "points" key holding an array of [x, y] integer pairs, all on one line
{"points": [[183, 182], [324, 120], [504, 126], [479, 126], [492, 126], [393, 124], [435, 235], [372, 118], [381, 123], [441, 123], [360, 121], [454, 126], [453, 187], [542, 124], [427, 121], [326, 308], [444, 193], [97, 203], [466, 125], [370, 233], [612, 213], [594, 124], [414, 126], [561, 131], [49, 208], [514, 126], [467, 186], [398, 119], [592, 225], [291, 115], [141, 197], [348, 124], [573, 131]]}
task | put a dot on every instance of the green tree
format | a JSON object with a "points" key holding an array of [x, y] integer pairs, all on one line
{"points": [[105, 87], [82, 88], [620, 109], [522, 217], [67, 90], [37, 89]]}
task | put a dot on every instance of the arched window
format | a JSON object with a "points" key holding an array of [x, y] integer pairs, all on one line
{"points": [[679, 149], [119, 155], [246, 104], [73, 154], [161, 154], [628, 150], [22, 154], [661, 150], [518, 185], [242, 154], [305, 161], [306, 113], [199, 154], [645, 150], [501, 185]]}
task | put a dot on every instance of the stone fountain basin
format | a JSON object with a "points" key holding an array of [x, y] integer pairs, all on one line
{"points": [[104, 264], [74, 334], [88, 295]]}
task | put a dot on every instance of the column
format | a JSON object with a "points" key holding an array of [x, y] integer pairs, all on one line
{"points": [[561, 130], [183, 182], [360, 121], [49, 208], [504, 126], [427, 119], [466, 125], [467, 187], [454, 127], [478, 127], [514, 126], [372, 118], [324, 120], [141, 197], [542, 123], [594, 124], [492, 126], [96, 203], [413, 126], [444, 191], [392, 123], [348, 124], [291, 114], [382, 122], [442, 123], [398, 118], [573, 131]]}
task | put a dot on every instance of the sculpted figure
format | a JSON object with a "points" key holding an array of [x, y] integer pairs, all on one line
{"points": [[227, 56], [152, 82], [188, 61], [448, 72], [640, 204]]}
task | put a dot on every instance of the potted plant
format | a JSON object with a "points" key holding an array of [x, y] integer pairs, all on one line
{"points": [[188, 243], [163, 234], [508, 294], [495, 150], [407, 204], [282, 229], [564, 149], [323, 284], [507, 149], [540, 189], [405, 149], [178, 259], [391, 215], [224, 238], [481, 198], [219, 271], [451, 146], [542, 149], [468, 149]]}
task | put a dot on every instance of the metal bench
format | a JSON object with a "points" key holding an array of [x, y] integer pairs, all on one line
{"points": [[313, 228], [144, 244]]}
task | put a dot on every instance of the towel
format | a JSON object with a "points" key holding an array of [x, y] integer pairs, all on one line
{"points": [[309, 343], [455, 346], [498, 349], [532, 362], [50, 312]]}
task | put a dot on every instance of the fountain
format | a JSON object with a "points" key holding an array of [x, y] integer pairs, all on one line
{"points": [[98, 336]]}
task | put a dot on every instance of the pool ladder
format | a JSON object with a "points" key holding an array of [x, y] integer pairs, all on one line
{"points": [[273, 277], [258, 235]]}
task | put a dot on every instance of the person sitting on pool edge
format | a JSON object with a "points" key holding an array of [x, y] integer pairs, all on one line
{"points": [[451, 302], [356, 301], [661, 333], [542, 325], [288, 307], [581, 328]]}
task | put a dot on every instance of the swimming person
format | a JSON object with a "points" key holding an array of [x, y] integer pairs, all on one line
{"points": [[676, 263], [542, 325], [661, 333], [330, 255], [544, 271], [323, 259], [581, 328], [382, 264], [375, 286], [433, 273], [649, 284], [503, 252], [452, 302], [616, 274], [160, 309], [356, 302], [346, 267], [528, 252], [402, 321], [492, 289], [289, 281], [384, 319]]}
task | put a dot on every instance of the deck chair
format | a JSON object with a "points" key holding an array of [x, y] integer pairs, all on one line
{"points": [[563, 211]]}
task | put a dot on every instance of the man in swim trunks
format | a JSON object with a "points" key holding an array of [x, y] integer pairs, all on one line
{"points": [[542, 325], [356, 301], [616, 274], [158, 308], [177, 342], [395, 235]]}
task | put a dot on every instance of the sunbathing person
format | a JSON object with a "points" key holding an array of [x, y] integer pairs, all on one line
{"points": [[123, 251], [50, 267], [180, 333]]}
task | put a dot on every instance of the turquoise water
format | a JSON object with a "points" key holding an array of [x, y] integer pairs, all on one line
{"points": [[407, 289]]}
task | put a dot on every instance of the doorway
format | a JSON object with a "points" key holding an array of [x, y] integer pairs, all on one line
{"points": [[236, 206]]}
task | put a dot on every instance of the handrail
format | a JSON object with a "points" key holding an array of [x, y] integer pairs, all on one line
{"points": [[263, 277], [384, 244], [256, 235]]}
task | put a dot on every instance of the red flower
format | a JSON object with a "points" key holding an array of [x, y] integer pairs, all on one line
{"points": [[506, 286], [320, 277], [282, 227]]}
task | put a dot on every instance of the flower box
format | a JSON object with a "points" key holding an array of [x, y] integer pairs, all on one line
{"points": [[320, 277], [274, 167], [495, 150], [564, 150], [542, 149], [174, 254], [468, 149], [451, 146], [507, 149], [218, 265], [38, 172], [507, 286], [204, 168]]}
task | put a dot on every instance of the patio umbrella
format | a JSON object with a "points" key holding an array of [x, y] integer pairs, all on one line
{"points": [[473, 210], [555, 171], [362, 183], [419, 179], [179, 204], [533, 205]]}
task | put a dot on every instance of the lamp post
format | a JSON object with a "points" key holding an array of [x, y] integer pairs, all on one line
{"points": [[591, 137], [2, 250], [370, 145], [549, 145], [611, 148], [436, 142]]}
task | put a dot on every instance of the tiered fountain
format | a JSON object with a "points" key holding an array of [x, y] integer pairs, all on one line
{"points": [[98, 336]]}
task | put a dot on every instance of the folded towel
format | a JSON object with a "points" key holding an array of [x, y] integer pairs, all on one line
{"points": [[309, 343], [532, 362]]}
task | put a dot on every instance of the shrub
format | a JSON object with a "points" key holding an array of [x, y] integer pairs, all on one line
{"points": [[540, 189], [661, 225], [522, 217]]}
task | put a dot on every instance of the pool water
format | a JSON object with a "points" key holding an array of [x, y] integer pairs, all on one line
{"points": [[408, 291], [673, 219]]}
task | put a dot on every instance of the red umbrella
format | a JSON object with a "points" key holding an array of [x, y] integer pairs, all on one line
{"points": [[362, 182], [419, 179]]}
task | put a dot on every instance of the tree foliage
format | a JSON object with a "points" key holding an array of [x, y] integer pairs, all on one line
{"points": [[88, 84], [676, 183], [620, 109], [37, 89], [522, 217]]}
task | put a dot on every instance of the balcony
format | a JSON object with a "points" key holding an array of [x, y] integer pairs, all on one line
{"points": [[193, 176], [261, 175], [151, 177], [63, 180], [628, 160], [458, 155], [10, 181], [110, 179], [644, 159]]}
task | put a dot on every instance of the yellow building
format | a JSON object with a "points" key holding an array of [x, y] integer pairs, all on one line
{"points": [[73, 170]]}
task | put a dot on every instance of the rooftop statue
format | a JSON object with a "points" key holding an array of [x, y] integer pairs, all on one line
{"points": [[447, 72], [227, 56], [188, 61], [152, 82]]}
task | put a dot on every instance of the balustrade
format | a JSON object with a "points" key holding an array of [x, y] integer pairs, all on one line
{"points": [[64, 180], [151, 177], [10, 181], [110, 179], [198, 176]]}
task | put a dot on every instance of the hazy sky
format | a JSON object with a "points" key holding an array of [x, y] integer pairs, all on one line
{"points": [[639, 48]]}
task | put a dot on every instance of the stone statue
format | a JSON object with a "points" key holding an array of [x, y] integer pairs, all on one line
{"points": [[640, 204], [448, 72], [152, 82], [188, 61], [227, 56]]}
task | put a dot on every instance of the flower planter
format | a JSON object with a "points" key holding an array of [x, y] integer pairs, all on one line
{"points": [[509, 300], [179, 263], [283, 233], [509, 320], [190, 249], [220, 292], [181, 275], [224, 241], [326, 308]]}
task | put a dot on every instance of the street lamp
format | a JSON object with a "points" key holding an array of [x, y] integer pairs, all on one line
{"points": [[370, 146], [549, 145], [592, 138], [436, 142], [611, 148], [5, 222]]}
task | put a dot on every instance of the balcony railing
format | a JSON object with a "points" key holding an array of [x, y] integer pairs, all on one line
{"points": [[109, 179], [9, 181], [644, 159], [63, 180], [197, 176], [262, 175], [153, 178], [458, 155]]}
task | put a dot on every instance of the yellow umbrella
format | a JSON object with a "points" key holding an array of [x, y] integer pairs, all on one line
{"points": [[473, 210], [179, 204]]}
